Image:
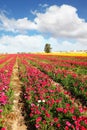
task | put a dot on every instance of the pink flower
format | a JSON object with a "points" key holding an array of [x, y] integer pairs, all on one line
{"points": [[1, 110], [74, 117], [72, 110], [59, 109], [66, 128], [65, 110], [44, 121], [31, 115], [32, 104], [68, 123], [81, 110], [3, 128], [3, 98], [37, 125], [38, 119], [67, 105], [42, 108], [56, 119]]}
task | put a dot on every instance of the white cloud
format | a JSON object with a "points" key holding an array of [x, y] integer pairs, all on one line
{"points": [[25, 43], [59, 21], [13, 25], [62, 21], [22, 43], [43, 5], [66, 45]]}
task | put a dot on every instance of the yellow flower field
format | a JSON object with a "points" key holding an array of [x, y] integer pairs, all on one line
{"points": [[67, 53]]}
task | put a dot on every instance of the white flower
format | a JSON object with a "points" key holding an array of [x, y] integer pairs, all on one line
{"points": [[43, 100], [39, 101]]}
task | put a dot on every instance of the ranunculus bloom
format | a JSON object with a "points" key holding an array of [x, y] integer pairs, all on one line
{"points": [[1, 110], [58, 125], [38, 119], [37, 125], [74, 117], [3, 128], [66, 128], [56, 119], [68, 123], [47, 114]]}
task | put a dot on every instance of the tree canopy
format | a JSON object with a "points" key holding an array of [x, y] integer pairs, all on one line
{"points": [[47, 48]]}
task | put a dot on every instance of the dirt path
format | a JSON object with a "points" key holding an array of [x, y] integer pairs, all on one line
{"points": [[15, 120]]}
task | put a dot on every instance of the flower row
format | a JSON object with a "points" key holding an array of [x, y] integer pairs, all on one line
{"points": [[6, 92], [48, 107], [76, 85]]}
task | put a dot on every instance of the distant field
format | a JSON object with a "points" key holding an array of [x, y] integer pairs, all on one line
{"points": [[67, 53]]}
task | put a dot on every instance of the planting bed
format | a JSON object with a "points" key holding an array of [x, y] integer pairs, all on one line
{"points": [[49, 91]]}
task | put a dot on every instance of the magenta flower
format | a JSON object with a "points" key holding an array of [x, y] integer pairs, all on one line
{"points": [[37, 126], [1, 110], [3, 128], [38, 119], [68, 123]]}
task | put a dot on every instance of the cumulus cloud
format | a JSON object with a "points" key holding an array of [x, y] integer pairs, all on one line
{"points": [[22, 43], [66, 45], [59, 21], [13, 25], [25, 43], [62, 21]]}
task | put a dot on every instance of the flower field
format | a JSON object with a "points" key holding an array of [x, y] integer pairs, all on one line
{"points": [[6, 93], [54, 90]]}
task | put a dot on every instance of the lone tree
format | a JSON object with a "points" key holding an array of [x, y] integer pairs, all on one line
{"points": [[47, 48]]}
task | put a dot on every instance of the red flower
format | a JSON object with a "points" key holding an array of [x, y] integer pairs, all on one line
{"points": [[58, 125], [81, 109], [44, 121], [74, 117], [1, 110], [31, 115], [37, 125], [38, 119], [3, 128], [59, 109], [83, 128], [68, 123], [66, 128], [56, 119], [65, 110], [47, 114]]}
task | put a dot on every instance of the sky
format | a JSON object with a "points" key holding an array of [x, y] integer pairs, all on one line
{"points": [[27, 25]]}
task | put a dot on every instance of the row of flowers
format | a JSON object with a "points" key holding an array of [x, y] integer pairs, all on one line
{"points": [[48, 107], [73, 60], [71, 81], [4, 58], [76, 64], [6, 92]]}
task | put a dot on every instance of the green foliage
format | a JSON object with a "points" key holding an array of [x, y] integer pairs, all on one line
{"points": [[47, 48], [8, 107]]}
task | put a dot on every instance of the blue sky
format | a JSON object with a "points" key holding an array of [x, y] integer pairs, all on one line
{"points": [[27, 25]]}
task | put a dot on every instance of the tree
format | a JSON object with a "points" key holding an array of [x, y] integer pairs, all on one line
{"points": [[47, 48]]}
